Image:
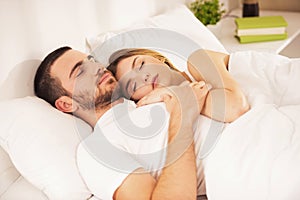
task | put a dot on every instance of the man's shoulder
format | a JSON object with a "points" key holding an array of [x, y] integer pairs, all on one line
{"points": [[126, 114], [129, 108]]}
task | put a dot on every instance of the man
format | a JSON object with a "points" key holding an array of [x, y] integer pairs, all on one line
{"points": [[73, 83]]}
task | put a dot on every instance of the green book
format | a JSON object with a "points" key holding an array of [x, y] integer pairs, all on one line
{"points": [[260, 29], [261, 38], [260, 22]]}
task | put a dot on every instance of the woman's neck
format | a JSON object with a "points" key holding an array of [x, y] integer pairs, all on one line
{"points": [[186, 76], [179, 77]]}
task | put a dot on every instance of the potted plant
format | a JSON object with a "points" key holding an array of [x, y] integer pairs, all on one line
{"points": [[207, 11]]}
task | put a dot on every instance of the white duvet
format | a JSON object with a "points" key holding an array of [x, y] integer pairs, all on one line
{"points": [[258, 155]]}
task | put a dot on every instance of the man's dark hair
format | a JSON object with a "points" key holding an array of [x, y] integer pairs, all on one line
{"points": [[45, 86]]}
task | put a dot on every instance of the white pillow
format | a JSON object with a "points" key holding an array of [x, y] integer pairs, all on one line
{"points": [[41, 142], [179, 19]]}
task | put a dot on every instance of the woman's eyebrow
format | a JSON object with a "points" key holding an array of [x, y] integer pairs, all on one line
{"points": [[75, 67], [133, 63]]}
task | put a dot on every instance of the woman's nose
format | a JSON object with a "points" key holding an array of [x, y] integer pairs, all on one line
{"points": [[146, 77], [142, 76], [142, 80]]}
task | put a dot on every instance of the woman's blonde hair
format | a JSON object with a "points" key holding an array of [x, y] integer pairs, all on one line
{"points": [[119, 55]]}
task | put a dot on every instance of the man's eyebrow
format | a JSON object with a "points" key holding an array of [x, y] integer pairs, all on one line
{"points": [[75, 67]]}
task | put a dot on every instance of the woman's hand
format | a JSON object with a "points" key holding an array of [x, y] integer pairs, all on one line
{"points": [[188, 96], [226, 101], [201, 90]]}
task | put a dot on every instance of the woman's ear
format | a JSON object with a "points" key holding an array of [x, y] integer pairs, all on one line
{"points": [[65, 104]]}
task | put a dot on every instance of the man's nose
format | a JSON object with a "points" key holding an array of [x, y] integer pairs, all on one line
{"points": [[101, 70]]}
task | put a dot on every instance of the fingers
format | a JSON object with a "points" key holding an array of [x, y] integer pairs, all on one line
{"points": [[149, 99], [197, 84], [162, 94], [209, 87], [201, 85], [153, 98], [200, 90]]}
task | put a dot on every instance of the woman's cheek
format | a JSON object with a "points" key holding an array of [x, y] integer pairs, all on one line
{"points": [[141, 92]]}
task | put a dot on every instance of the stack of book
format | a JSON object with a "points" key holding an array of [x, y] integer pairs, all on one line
{"points": [[260, 29]]}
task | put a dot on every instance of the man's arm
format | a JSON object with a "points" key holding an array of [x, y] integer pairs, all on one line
{"points": [[226, 101], [178, 179]]}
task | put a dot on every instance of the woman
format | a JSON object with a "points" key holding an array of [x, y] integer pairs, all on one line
{"points": [[140, 71]]}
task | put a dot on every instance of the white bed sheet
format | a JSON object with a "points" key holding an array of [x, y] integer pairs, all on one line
{"points": [[258, 155]]}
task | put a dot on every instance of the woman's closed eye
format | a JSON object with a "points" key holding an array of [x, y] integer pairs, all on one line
{"points": [[86, 64], [142, 64], [138, 63]]}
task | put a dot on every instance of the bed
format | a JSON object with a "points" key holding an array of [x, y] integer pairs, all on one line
{"points": [[38, 144]]}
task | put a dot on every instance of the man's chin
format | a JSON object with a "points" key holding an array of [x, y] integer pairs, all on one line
{"points": [[105, 98]]}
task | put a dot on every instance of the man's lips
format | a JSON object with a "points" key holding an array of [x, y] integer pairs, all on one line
{"points": [[104, 77]]}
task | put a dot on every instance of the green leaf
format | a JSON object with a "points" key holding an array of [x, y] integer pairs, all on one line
{"points": [[207, 11]]}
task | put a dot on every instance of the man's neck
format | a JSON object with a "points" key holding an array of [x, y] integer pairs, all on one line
{"points": [[92, 116]]}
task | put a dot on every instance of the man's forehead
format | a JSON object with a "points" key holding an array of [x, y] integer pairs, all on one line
{"points": [[71, 56], [67, 60]]}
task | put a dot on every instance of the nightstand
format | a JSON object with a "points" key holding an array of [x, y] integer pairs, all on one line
{"points": [[226, 32]]}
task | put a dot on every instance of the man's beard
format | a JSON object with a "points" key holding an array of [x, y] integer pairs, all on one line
{"points": [[104, 98]]}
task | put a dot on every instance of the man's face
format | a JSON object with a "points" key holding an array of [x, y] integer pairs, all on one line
{"points": [[90, 84]]}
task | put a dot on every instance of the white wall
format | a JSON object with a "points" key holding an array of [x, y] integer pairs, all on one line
{"points": [[32, 28], [286, 5]]}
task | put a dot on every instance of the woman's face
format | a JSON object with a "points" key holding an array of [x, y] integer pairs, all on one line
{"points": [[140, 74]]}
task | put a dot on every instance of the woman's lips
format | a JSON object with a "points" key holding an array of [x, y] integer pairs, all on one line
{"points": [[154, 81]]}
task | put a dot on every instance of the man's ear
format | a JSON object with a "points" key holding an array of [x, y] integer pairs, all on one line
{"points": [[66, 104]]}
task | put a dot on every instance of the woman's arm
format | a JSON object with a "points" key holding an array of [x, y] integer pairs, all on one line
{"points": [[225, 101]]}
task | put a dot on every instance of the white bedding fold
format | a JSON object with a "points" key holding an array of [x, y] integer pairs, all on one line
{"points": [[266, 77], [258, 155]]}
